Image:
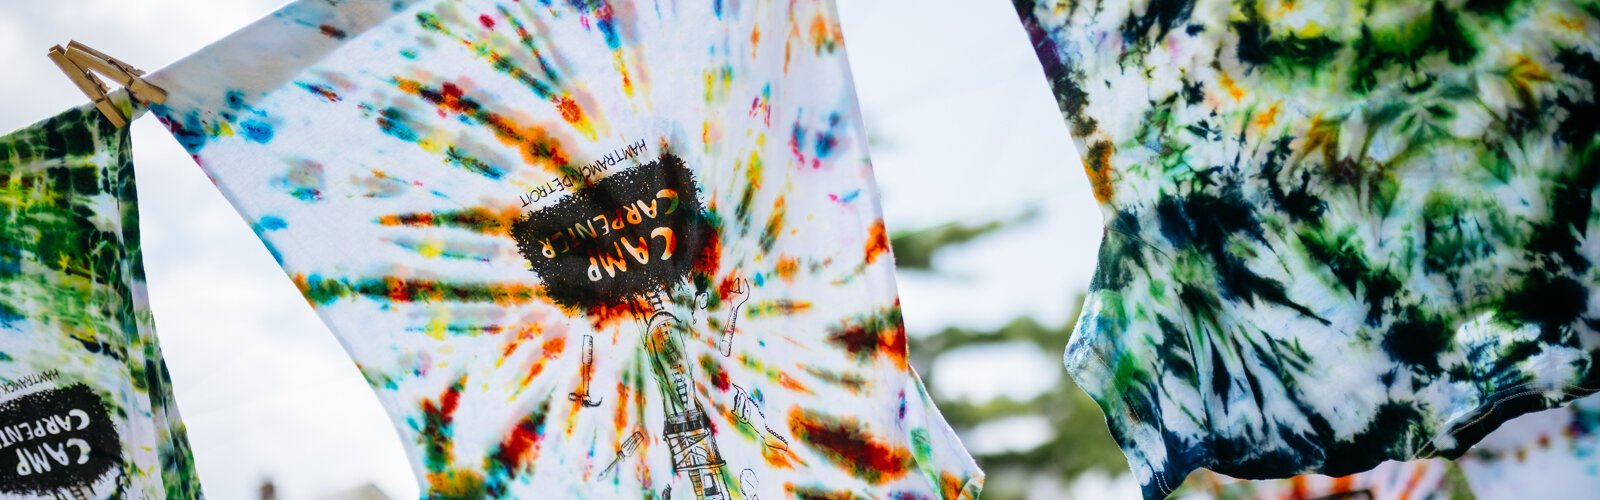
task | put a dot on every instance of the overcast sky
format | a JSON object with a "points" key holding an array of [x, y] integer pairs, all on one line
{"points": [[963, 125]]}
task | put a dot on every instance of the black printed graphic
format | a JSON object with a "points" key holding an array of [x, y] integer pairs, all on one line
{"points": [[54, 440], [631, 233]]}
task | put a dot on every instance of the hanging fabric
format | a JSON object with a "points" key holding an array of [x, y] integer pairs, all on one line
{"points": [[86, 408], [1337, 233], [584, 249]]}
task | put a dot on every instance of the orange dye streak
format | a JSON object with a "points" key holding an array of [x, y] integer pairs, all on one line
{"points": [[877, 241]]}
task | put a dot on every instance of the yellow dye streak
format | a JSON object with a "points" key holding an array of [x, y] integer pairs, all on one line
{"points": [[1227, 84]]}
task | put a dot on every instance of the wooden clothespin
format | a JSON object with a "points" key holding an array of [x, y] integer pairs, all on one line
{"points": [[80, 63]]}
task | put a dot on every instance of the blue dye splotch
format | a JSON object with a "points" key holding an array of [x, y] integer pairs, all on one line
{"points": [[234, 100], [271, 223], [828, 140], [797, 135], [396, 123], [256, 131], [188, 130]]}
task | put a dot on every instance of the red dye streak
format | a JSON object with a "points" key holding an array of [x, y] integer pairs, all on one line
{"points": [[446, 408], [846, 443], [794, 147], [569, 109], [399, 290], [719, 377], [521, 446], [331, 32], [874, 335], [417, 219], [324, 92], [721, 381], [709, 259], [726, 287], [606, 315], [486, 21], [536, 145]]}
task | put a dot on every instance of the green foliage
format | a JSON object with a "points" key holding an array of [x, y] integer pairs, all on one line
{"points": [[1079, 440], [914, 250]]}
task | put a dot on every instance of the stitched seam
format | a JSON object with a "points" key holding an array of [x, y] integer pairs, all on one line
{"points": [[1160, 479], [1162, 483], [1488, 409]]}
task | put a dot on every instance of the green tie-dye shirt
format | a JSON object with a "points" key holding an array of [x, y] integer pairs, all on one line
{"points": [[1337, 233], [86, 408]]}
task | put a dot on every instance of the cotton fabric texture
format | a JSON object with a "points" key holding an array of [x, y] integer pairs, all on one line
{"points": [[584, 249], [86, 405], [1336, 232]]}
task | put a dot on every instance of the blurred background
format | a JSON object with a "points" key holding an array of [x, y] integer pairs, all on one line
{"points": [[994, 229]]}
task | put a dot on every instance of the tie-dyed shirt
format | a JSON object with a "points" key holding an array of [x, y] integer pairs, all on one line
{"points": [[1336, 232], [584, 248], [86, 408]]}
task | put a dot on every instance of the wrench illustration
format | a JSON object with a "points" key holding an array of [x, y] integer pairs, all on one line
{"points": [[743, 294]]}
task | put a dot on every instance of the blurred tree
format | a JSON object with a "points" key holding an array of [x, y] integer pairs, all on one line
{"points": [[1079, 440], [913, 250]]}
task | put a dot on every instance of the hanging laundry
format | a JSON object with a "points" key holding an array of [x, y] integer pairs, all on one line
{"points": [[584, 249], [86, 408], [1336, 232]]}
